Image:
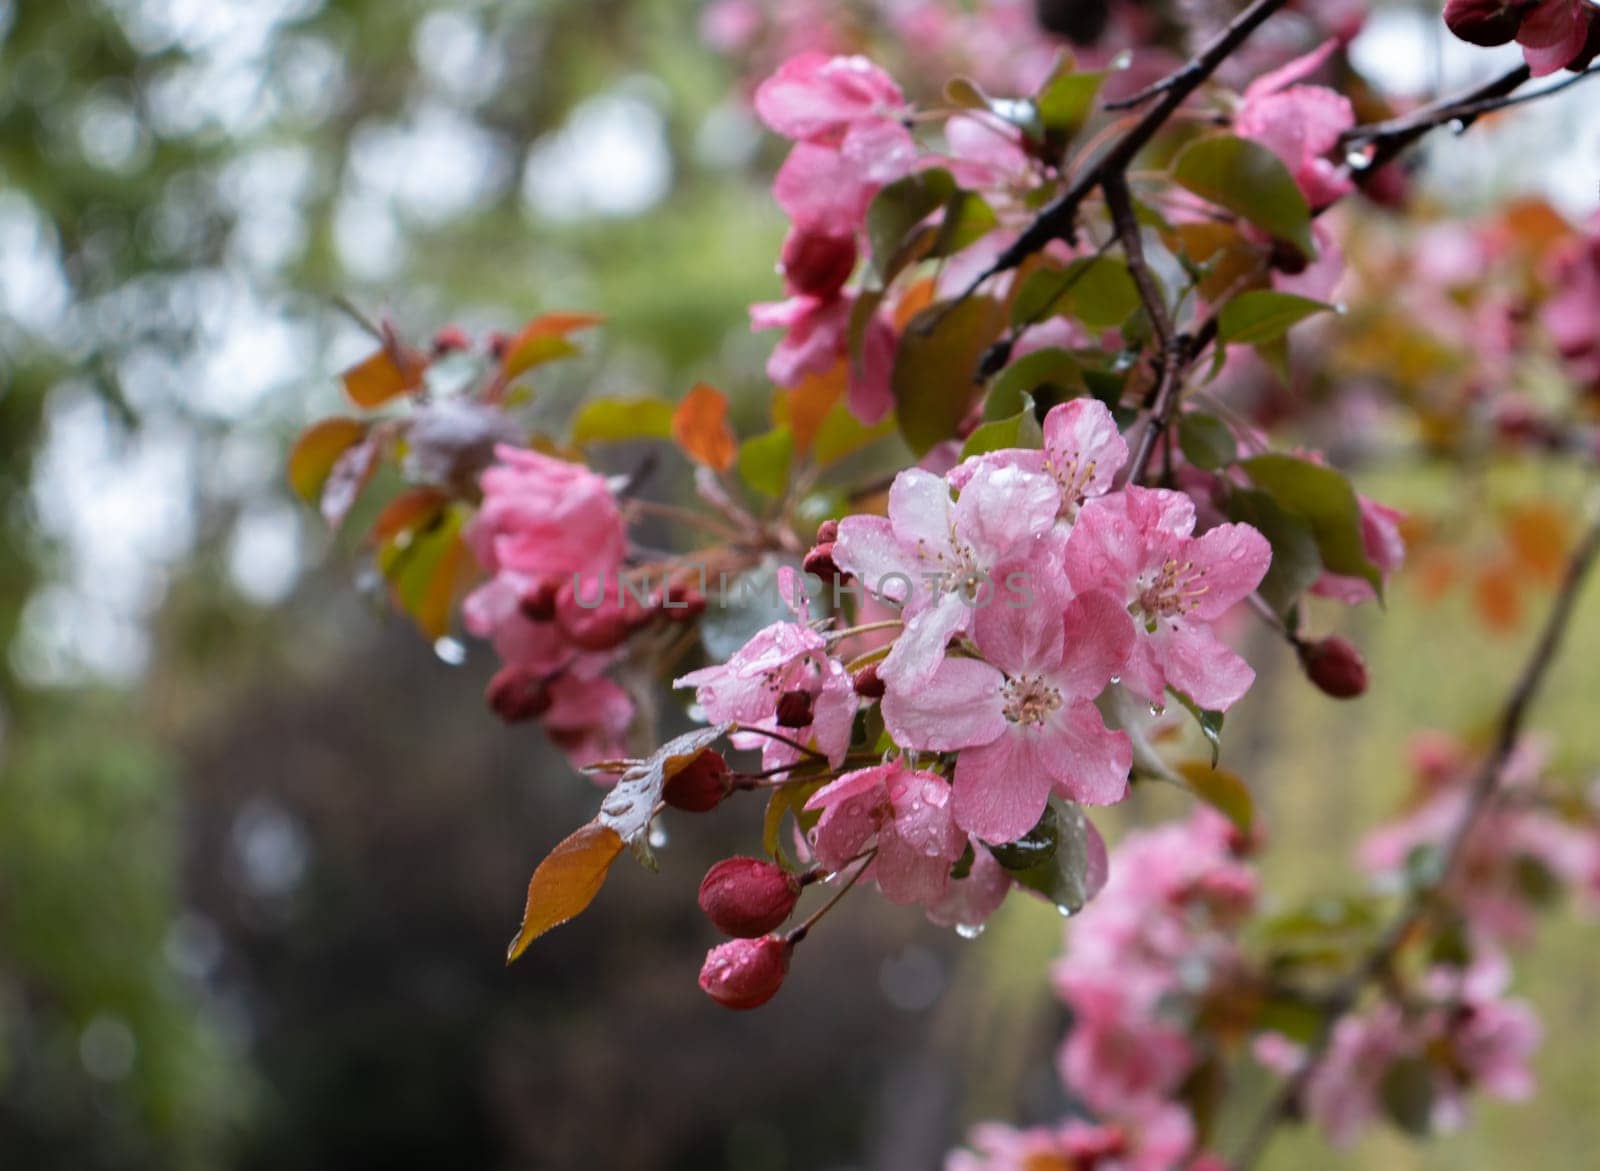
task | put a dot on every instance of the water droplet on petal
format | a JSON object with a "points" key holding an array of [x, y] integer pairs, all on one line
{"points": [[658, 835], [1115, 679], [1064, 912], [1157, 709], [450, 651], [1357, 160], [1122, 60], [969, 930]]}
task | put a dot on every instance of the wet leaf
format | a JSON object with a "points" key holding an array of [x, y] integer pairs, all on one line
{"points": [[1074, 872], [1097, 290], [1051, 368], [565, 883], [1262, 316], [408, 511], [897, 211], [1296, 562], [391, 372], [1210, 723], [631, 804], [1206, 441], [349, 474], [788, 799], [1019, 430]]}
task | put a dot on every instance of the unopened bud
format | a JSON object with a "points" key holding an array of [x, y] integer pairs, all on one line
{"points": [[1486, 22], [700, 785], [748, 897], [819, 562], [827, 532], [1335, 667], [539, 603], [746, 973], [498, 344], [815, 263], [868, 683], [600, 627], [795, 709], [516, 695]]}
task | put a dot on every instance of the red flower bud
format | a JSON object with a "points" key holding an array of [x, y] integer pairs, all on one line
{"points": [[539, 603], [746, 973], [815, 263], [820, 563], [699, 786], [498, 343], [516, 695], [450, 340], [602, 626], [868, 683], [746, 897], [794, 709], [827, 532], [1335, 667], [1486, 22]]}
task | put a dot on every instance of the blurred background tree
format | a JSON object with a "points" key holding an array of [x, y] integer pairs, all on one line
{"points": [[260, 848]]}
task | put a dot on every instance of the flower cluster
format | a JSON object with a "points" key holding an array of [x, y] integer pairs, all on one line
{"points": [[1553, 34]]}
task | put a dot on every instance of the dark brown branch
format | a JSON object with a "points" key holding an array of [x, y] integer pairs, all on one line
{"points": [[1057, 220], [1484, 787], [1390, 138]]}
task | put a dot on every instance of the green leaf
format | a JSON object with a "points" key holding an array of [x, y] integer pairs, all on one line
{"points": [[1222, 790], [1052, 367], [1323, 498], [789, 799], [1066, 101], [1249, 180], [1098, 290], [764, 461], [617, 420], [842, 434], [1210, 723], [1019, 430], [1296, 562], [1407, 1094], [935, 365], [1261, 316], [897, 210], [1206, 441], [1034, 848], [1064, 877]]}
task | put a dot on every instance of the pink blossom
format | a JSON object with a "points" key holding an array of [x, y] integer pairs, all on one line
{"points": [[1083, 452], [986, 153], [905, 815], [588, 717], [1118, 1052], [1023, 715], [816, 98], [783, 658], [1554, 34], [1301, 124], [1342, 1096], [1155, 1140], [817, 338], [1138, 546], [827, 188], [545, 517], [969, 901], [938, 556]]}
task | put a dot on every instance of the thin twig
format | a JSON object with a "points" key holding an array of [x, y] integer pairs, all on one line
{"points": [[1480, 795]]}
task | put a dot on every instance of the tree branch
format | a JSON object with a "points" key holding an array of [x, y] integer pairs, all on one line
{"points": [[1484, 788]]}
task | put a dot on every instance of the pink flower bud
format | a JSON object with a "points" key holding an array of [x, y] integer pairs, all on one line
{"points": [[815, 263], [516, 695], [1486, 22], [597, 627], [746, 973], [700, 786], [747, 897], [1335, 667], [827, 532]]}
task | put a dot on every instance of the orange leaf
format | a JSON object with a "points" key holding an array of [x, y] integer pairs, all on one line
{"points": [[805, 405], [543, 339], [1497, 598], [566, 882], [433, 609], [1538, 535], [913, 301], [700, 427], [387, 374], [406, 511], [317, 450]]}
